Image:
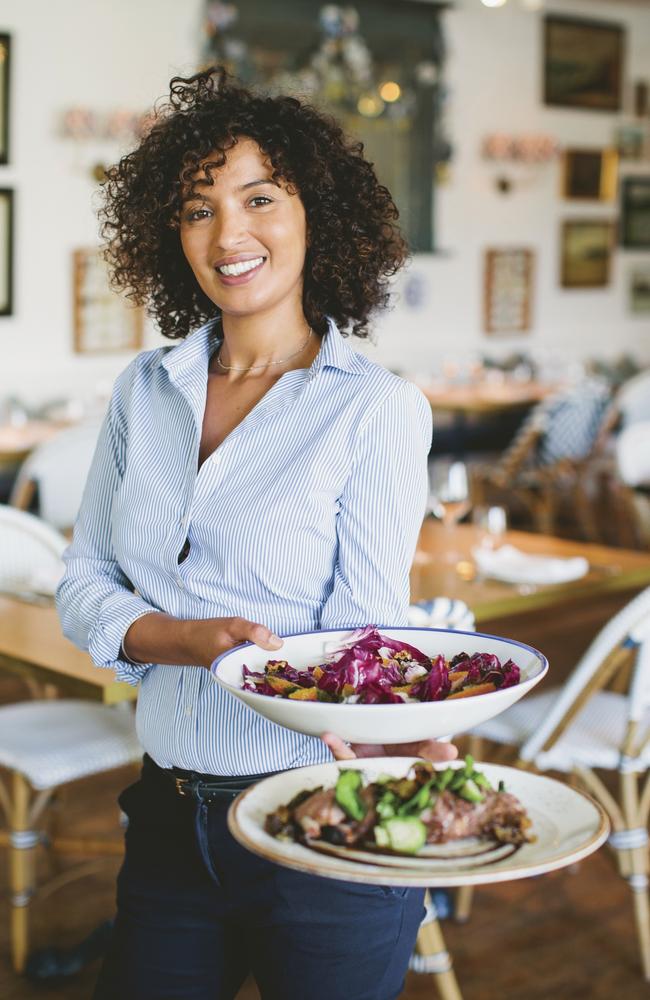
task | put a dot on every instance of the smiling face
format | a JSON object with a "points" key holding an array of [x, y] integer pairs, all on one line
{"points": [[244, 237]]}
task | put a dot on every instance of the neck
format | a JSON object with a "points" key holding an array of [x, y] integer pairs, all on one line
{"points": [[255, 341]]}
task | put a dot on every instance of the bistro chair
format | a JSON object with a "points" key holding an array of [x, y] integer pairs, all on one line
{"points": [[627, 487], [51, 480], [599, 720], [46, 743], [547, 464]]}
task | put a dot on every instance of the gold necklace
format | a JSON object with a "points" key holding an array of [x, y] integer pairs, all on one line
{"points": [[252, 368]]}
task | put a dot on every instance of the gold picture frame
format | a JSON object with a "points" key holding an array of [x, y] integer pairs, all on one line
{"points": [[586, 252], [507, 299], [590, 174], [104, 322]]}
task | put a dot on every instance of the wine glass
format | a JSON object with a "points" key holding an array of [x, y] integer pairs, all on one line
{"points": [[492, 523], [448, 498]]}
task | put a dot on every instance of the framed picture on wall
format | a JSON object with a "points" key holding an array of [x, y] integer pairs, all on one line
{"points": [[639, 290], [6, 251], [104, 322], [589, 174], [583, 63], [635, 212], [5, 59], [586, 253], [508, 290]]}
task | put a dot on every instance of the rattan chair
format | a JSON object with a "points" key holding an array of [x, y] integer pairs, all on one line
{"points": [[46, 743], [599, 720], [545, 470], [51, 480]]}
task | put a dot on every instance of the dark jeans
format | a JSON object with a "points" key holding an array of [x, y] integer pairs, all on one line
{"points": [[196, 913]]}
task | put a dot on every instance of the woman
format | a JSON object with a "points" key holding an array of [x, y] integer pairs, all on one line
{"points": [[259, 478]]}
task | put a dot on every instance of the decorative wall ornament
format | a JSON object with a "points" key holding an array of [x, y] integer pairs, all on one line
{"points": [[104, 322], [639, 290], [508, 290], [510, 152]]}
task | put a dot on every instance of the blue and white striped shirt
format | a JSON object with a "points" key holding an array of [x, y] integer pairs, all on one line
{"points": [[305, 517]]}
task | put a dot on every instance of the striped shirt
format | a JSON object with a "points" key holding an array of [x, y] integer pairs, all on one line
{"points": [[305, 517]]}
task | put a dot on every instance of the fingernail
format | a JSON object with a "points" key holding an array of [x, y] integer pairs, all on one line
{"points": [[275, 639]]}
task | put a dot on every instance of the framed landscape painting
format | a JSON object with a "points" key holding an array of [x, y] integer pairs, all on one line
{"points": [[586, 253], [508, 290], [583, 63], [5, 60], [590, 174]]}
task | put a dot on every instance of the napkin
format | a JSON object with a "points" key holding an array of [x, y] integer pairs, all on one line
{"points": [[442, 612], [514, 566]]}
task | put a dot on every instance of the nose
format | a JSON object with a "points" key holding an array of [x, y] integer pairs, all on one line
{"points": [[229, 230]]}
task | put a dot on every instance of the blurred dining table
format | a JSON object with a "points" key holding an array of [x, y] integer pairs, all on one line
{"points": [[18, 440], [32, 646], [484, 397], [560, 619]]}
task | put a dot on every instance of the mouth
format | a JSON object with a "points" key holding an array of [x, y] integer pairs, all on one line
{"points": [[241, 272]]}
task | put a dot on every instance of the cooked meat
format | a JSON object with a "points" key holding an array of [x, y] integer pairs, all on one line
{"points": [[500, 815], [321, 816]]}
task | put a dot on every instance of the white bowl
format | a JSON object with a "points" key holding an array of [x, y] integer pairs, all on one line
{"points": [[396, 723]]}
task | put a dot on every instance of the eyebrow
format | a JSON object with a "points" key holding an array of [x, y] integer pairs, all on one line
{"points": [[254, 183]]}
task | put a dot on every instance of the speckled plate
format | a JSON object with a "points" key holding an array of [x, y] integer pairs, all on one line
{"points": [[568, 826]]}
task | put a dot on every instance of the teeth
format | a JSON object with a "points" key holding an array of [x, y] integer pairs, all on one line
{"points": [[241, 267]]}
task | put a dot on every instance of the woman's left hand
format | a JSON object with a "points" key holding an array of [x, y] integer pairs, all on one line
{"points": [[429, 749]]}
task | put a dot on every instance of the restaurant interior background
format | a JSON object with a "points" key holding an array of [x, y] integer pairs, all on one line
{"points": [[526, 196]]}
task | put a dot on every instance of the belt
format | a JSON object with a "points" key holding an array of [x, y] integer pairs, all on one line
{"points": [[211, 787]]}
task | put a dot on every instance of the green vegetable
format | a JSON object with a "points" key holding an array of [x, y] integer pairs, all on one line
{"points": [[347, 794], [445, 778], [458, 780], [471, 792], [481, 780], [381, 837], [502, 786], [406, 834], [469, 764], [387, 805], [419, 801]]}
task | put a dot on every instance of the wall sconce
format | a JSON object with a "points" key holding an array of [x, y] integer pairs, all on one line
{"points": [[510, 150]]}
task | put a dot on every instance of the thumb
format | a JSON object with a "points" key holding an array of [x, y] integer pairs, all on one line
{"points": [[339, 747]]}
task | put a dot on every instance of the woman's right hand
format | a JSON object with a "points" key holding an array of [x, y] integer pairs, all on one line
{"points": [[159, 638], [211, 637]]}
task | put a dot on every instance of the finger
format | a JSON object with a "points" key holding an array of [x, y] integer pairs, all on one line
{"points": [[437, 752], [247, 631], [339, 747]]}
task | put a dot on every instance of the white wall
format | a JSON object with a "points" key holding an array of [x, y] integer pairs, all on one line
{"points": [[121, 53]]}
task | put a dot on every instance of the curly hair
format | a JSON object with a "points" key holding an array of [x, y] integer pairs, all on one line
{"points": [[354, 243]]}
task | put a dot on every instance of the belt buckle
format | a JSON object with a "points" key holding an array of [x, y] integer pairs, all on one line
{"points": [[180, 786]]}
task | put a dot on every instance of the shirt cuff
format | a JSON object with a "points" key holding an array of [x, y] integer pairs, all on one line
{"points": [[118, 613]]}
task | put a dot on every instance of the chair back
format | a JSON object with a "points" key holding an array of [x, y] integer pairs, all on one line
{"points": [[632, 451], [58, 470], [633, 399], [626, 634], [28, 547]]}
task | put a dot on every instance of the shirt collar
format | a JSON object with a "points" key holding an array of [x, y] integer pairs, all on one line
{"points": [[334, 351]]}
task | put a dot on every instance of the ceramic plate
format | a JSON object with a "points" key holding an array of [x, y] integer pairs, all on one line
{"points": [[568, 826], [398, 723]]}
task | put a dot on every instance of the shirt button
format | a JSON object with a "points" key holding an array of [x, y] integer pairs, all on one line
{"points": [[188, 710], [179, 582]]}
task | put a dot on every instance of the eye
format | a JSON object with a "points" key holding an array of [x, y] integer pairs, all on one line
{"points": [[197, 214], [261, 199]]}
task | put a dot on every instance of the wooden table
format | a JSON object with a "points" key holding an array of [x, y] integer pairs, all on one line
{"points": [[17, 442], [559, 619], [32, 645], [484, 397]]}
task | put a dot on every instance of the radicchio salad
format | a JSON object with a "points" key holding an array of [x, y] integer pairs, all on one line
{"points": [[373, 669]]}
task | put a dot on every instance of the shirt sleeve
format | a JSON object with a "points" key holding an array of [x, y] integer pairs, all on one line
{"points": [[95, 599], [380, 515]]}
